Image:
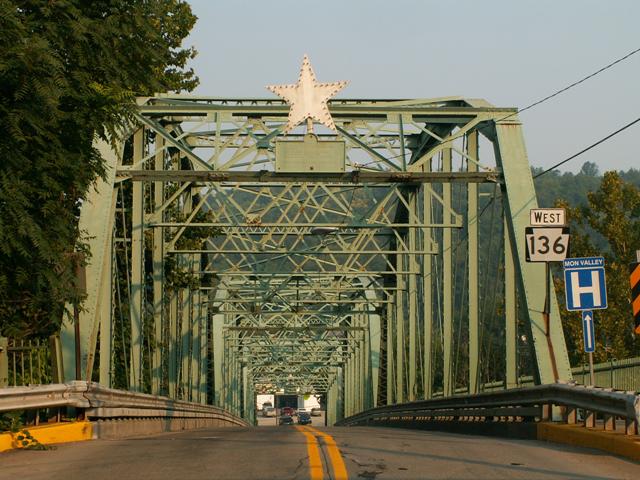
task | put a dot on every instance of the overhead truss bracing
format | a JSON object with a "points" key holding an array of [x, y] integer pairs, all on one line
{"points": [[381, 262]]}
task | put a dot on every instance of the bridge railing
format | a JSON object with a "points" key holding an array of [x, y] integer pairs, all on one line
{"points": [[30, 361], [92, 401], [578, 404]]}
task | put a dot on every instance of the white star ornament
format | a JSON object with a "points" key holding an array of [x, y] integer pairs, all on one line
{"points": [[308, 98]]}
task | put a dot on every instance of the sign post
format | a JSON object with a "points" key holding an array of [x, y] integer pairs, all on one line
{"points": [[586, 290], [588, 334]]}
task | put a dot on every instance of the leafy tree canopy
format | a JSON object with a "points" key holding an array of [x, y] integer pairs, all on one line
{"points": [[69, 71], [613, 213]]}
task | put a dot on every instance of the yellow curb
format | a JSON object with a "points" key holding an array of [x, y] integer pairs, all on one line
{"points": [[47, 434], [618, 443]]}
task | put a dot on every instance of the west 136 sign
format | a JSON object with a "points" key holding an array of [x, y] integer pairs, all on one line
{"points": [[547, 244]]}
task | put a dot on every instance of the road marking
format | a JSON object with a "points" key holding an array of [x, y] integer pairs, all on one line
{"points": [[313, 449], [339, 469]]}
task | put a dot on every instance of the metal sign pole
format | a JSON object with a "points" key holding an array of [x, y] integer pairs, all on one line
{"points": [[588, 333]]}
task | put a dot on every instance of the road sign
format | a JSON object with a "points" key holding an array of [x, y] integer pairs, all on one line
{"points": [[585, 284], [547, 244], [588, 331], [634, 280], [547, 217]]}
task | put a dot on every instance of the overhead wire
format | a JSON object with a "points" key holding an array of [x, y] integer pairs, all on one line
{"points": [[574, 84], [555, 94], [584, 150]]}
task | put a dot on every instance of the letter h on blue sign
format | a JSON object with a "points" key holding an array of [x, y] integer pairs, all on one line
{"points": [[585, 289]]}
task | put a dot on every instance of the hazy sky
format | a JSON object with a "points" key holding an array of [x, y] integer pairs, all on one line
{"points": [[509, 52]]}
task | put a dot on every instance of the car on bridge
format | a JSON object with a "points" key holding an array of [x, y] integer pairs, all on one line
{"points": [[268, 412], [285, 420], [288, 411], [304, 418], [316, 412]]}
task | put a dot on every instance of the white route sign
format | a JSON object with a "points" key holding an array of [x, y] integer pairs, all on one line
{"points": [[547, 217], [547, 244]]}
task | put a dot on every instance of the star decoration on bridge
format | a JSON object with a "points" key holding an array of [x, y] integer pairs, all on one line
{"points": [[308, 98]]}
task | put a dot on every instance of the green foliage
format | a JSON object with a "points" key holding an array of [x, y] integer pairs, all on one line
{"points": [[613, 213], [69, 71], [12, 422]]}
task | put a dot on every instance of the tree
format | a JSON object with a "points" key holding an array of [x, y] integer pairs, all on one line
{"points": [[69, 71], [612, 212]]}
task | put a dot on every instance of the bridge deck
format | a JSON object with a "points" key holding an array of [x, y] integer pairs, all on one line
{"points": [[281, 453]]}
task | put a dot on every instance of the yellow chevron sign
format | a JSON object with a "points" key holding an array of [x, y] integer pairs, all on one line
{"points": [[634, 279]]}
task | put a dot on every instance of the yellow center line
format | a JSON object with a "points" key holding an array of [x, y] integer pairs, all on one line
{"points": [[313, 450], [339, 469]]}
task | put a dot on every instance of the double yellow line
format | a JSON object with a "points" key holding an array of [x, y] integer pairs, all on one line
{"points": [[315, 461]]}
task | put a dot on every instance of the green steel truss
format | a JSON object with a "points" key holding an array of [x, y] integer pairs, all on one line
{"points": [[217, 274]]}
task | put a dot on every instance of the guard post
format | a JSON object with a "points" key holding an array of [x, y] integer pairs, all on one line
{"points": [[634, 280]]}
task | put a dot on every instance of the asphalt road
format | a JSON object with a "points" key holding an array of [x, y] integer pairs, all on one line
{"points": [[296, 453]]}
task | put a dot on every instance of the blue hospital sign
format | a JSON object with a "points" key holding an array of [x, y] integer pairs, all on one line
{"points": [[584, 281]]}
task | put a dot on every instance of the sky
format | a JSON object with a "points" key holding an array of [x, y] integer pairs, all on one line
{"points": [[511, 53]]}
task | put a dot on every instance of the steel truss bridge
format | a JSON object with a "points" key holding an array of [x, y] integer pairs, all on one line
{"points": [[378, 264]]}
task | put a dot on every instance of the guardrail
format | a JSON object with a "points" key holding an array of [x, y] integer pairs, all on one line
{"points": [[527, 404], [93, 401]]}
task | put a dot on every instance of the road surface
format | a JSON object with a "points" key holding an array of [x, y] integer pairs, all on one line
{"points": [[291, 452]]}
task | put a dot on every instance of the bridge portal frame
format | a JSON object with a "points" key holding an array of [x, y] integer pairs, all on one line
{"points": [[402, 142]]}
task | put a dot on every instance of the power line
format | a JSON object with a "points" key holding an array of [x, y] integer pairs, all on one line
{"points": [[584, 79], [549, 97], [588, 148]]}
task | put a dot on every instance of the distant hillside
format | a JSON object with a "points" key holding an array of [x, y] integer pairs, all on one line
{"points": [[574, 187]]}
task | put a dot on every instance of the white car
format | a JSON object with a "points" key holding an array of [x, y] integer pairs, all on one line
{"points": [[304, 410], [268, 412]]}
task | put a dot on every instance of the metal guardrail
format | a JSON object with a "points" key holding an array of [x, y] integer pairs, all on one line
{"points": [[97, 402], [518, 404]]}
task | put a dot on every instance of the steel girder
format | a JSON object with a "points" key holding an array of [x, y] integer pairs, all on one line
{"points": [[217, 274]]}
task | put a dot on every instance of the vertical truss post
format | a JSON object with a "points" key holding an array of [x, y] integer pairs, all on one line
{"points": [[173, 344], [158, 276], [105, 306], [196, 350], [340, 400], [330, 403], [399, 331], [247, 403], [412, 294], [374, 339], [363, 377], [97, 217], [185, 336], [236, 384], [137, 268], [390, 356], [550, 348], [349, 394], [427, 279], [335, 398], [217, 325], [510, 314], [472, 252], [203, 381], [447, 281]]}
